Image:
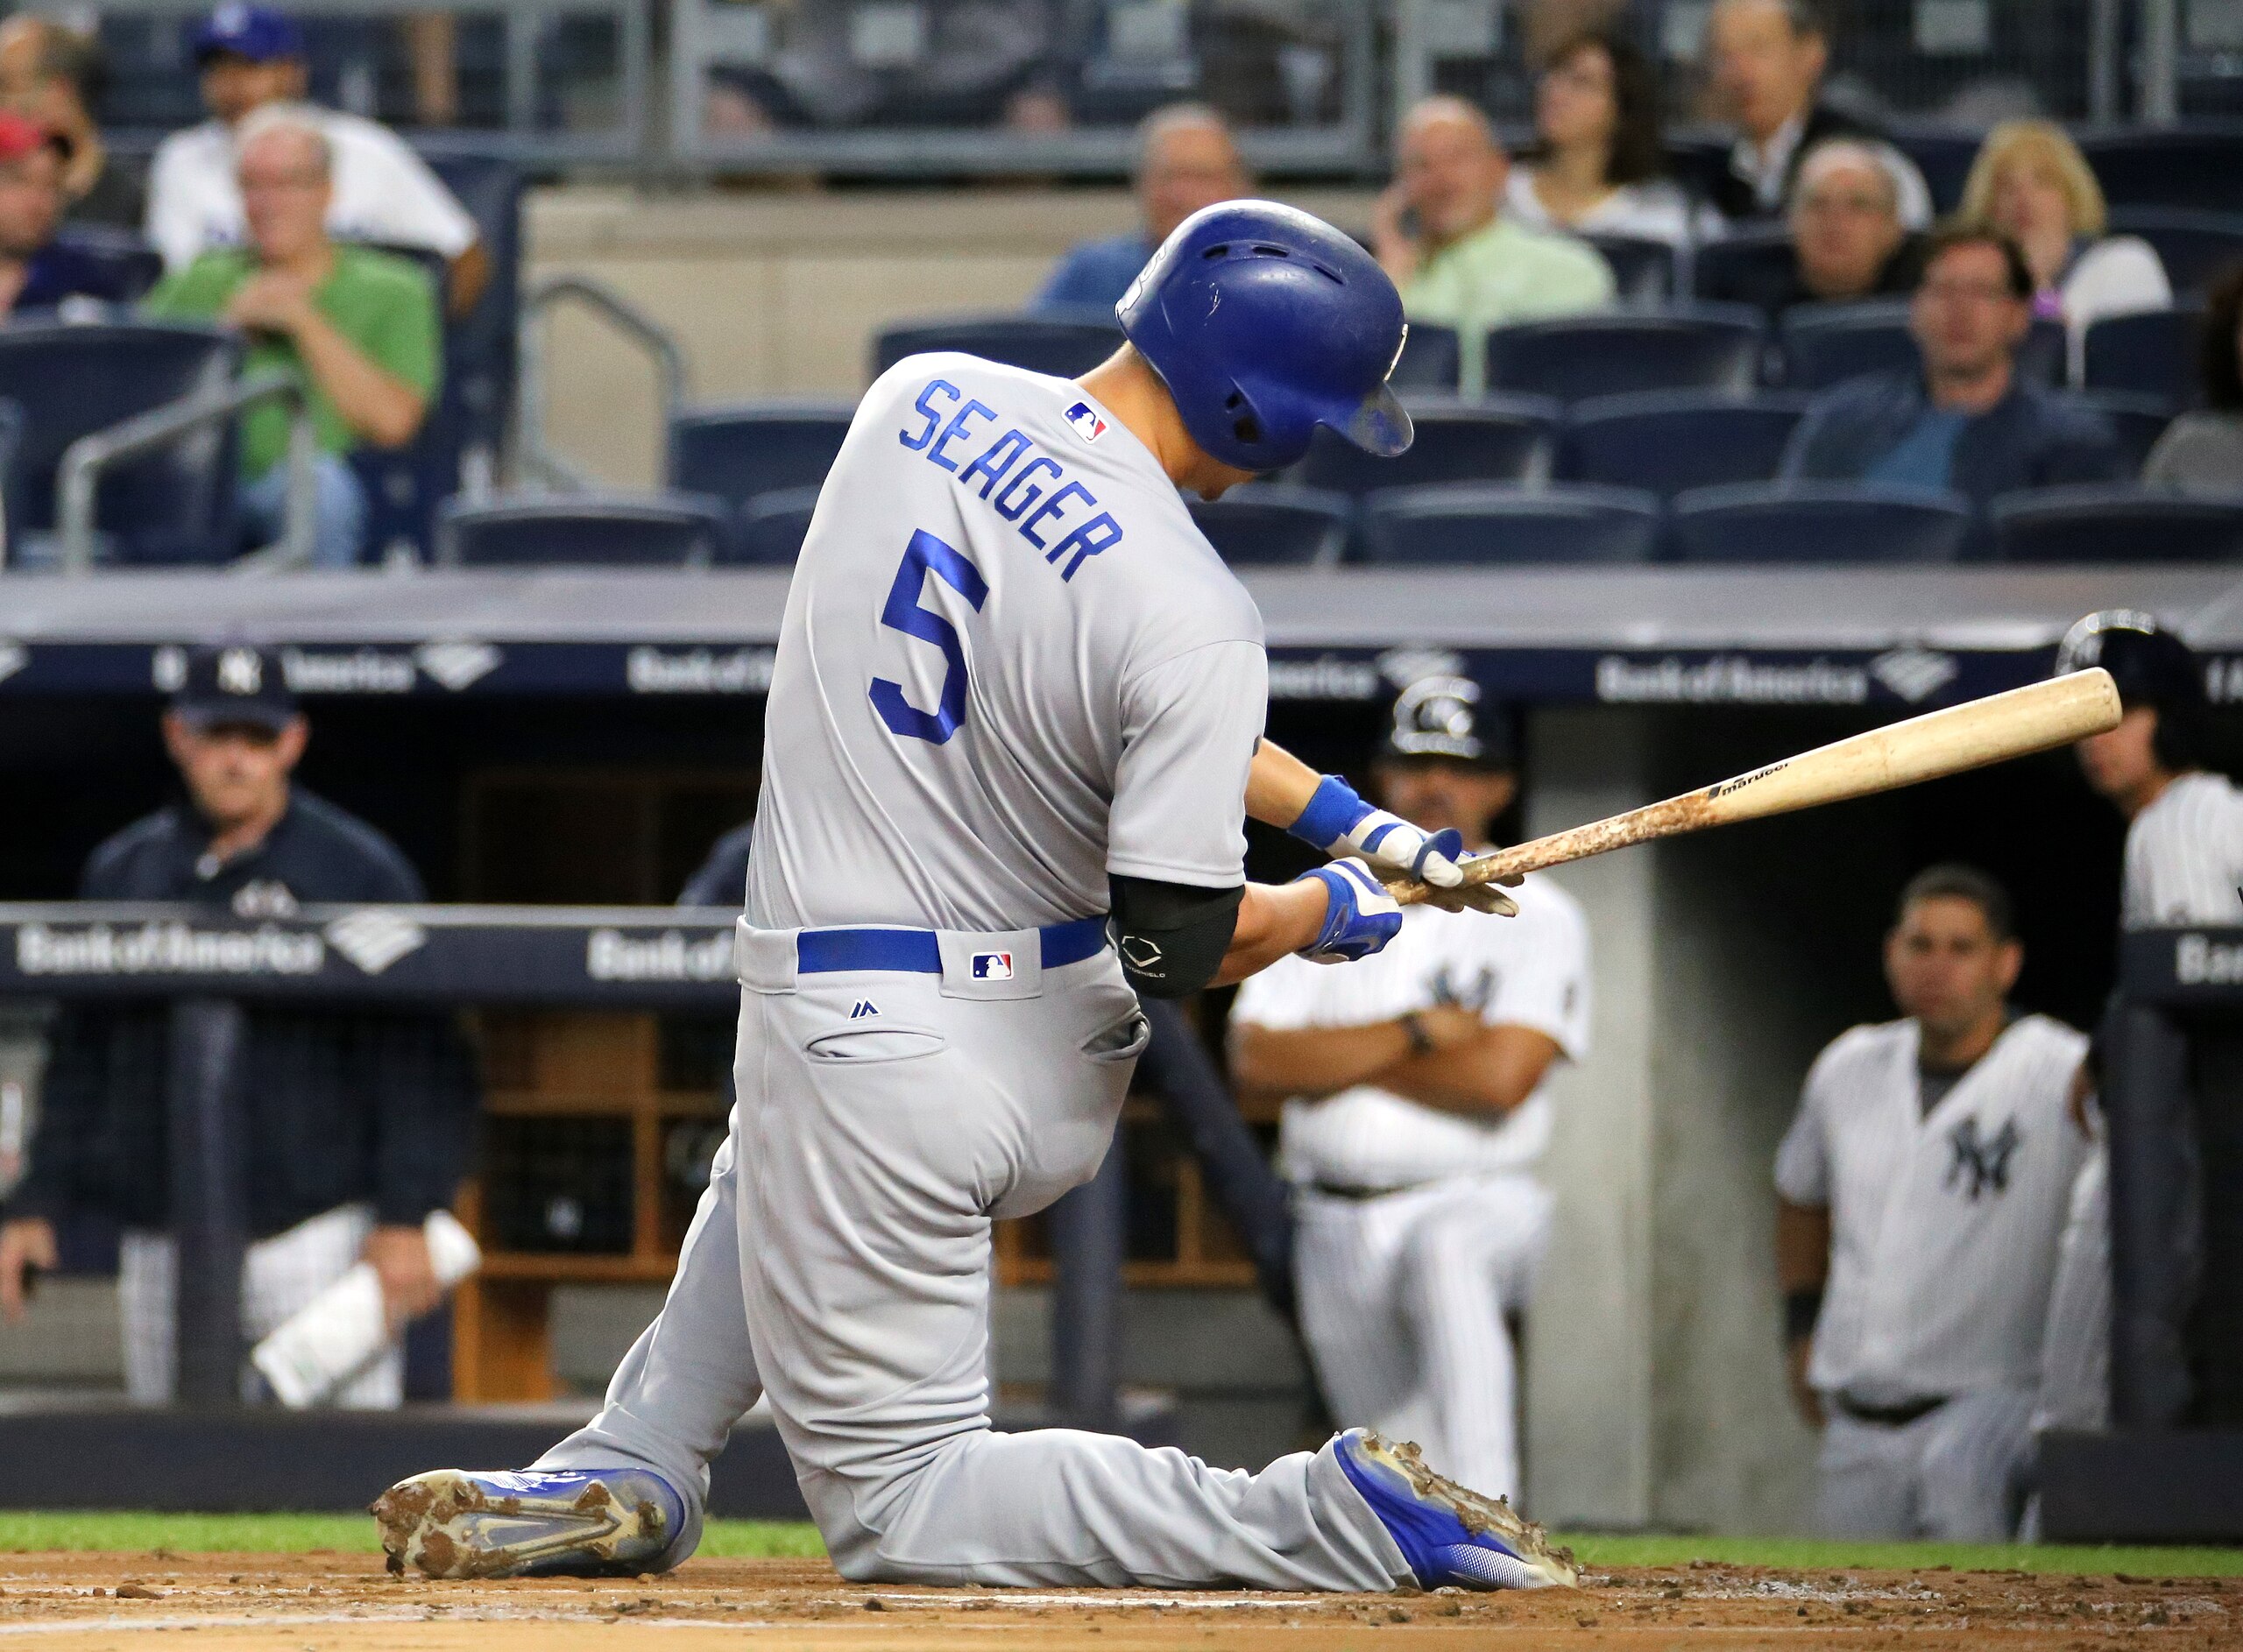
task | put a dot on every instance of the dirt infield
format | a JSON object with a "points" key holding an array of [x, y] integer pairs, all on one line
{"points": [[344, 1603]]}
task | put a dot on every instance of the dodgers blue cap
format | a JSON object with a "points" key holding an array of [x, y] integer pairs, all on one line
{"points": [[259, 33]]}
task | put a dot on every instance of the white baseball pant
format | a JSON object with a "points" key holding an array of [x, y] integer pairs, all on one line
{"points": [[1955, 1474], [839, 1264]]}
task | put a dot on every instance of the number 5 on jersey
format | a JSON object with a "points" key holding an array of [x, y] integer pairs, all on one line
{"points": [[927, 555]]}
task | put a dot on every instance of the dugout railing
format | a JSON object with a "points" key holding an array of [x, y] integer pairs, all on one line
{"points": [[211, 969]]}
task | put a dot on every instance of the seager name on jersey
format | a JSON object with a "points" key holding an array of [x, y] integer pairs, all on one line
{"points": [[1032, 489]]}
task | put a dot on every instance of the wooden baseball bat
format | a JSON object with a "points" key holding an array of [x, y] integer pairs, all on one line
{"points": [[1960, 737]]}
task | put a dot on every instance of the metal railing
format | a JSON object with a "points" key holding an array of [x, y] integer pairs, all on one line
{"points": [[78, 482], [537, 459]]}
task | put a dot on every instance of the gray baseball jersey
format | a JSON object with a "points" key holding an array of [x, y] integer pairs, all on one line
{"points": [[1943, 1226], [1063, 680], [2184, 856]]}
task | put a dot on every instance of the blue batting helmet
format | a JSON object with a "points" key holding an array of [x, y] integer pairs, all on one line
{"points": [[1265, 322]]}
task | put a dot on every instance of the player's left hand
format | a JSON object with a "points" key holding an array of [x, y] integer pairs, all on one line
{"points": [[1338, 822], [1359, 917]]}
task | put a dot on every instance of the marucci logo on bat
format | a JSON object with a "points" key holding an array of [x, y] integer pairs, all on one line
{"points": [[1728, 787]]}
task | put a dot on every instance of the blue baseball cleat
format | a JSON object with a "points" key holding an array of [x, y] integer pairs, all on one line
{"points": [[1450, 1536], [606, 1522]]}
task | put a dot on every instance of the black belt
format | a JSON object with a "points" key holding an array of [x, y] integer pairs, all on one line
{"points": [[1356, 1195], [1888, 1416]]}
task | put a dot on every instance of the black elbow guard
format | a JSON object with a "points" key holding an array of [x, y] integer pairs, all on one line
{"points": [[1171, 937]]}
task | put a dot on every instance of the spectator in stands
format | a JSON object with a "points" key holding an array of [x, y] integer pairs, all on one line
{"points": [[56, 76], [358, 326], [1768, 59], [1596, 166], [2203, 449], [358, 1123], [2031, 182], [1847, 241], [1459, 261], [252, 58], [1186, 159], [41, 264], [1968, 420]]}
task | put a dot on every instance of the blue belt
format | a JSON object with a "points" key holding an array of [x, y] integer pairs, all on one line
{"points": [[917, 952]]}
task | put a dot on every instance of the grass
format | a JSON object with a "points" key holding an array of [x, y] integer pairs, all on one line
{"points": [[128, 1533]]}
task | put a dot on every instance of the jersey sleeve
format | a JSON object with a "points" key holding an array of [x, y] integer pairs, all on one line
{"points": [[173, 223], [1548, 992], [1189, 726], [1803, 1157], [1281, 997], [420, 210]]}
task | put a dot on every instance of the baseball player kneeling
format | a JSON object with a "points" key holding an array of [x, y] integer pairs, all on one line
{"points": [[1415, 1114], [1923, 1187]]}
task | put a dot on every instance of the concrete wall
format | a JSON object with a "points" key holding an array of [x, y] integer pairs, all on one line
{"points": [[778, 294]]}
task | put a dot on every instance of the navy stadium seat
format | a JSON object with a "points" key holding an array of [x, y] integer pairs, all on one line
{"points": [[2149, 353], [2140, 420], [1700, 347], [1431, 358], [737, 453], [1061, 346], [1473, 522], [1818, 522], [1826, 344], [769, 529], [1500, 439], [582, 530], [175, 504], [1740, 262], [1642, 269], [1669, 440], [2116, 525], [1273, 522], [2195, 248], [1943, 154], [2199, 167]]}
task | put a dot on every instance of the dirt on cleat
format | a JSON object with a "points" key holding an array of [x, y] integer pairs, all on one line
{"points": [[1492, 1516]]}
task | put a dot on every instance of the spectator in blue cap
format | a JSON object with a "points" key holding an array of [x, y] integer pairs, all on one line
{"points": [[252, 58]]}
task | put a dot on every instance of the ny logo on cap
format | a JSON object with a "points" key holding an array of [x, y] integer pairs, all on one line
{"points": [[240, 671], [993, 966]]}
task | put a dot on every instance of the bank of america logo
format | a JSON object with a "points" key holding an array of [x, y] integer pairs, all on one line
{"points": [[373, 939], [1085, 421], [1914, 674]]}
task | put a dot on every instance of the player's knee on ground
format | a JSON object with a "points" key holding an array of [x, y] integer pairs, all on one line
{"points": [[1171, 937]]}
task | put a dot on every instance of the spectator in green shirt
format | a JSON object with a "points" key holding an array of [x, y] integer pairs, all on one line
{"points": [[358, 328], [1459, 262]]}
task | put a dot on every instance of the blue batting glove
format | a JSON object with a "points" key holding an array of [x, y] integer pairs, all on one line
{"points": [[1338, 822], [1359, 915]]}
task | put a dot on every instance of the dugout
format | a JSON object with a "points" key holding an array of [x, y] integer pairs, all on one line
{"points": [[581, 736]]}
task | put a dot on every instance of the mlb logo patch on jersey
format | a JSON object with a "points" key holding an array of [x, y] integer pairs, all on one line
{"points": [[993, 966], [1085, 421]]}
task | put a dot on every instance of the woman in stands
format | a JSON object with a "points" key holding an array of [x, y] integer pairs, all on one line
{"points": [[2203, 451], [2031, 180], [1596, 167]]}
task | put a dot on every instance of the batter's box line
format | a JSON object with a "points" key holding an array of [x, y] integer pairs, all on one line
{"points": [[1095, 1600]]}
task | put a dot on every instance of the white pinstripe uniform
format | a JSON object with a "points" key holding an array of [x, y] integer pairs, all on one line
{"points": [[1944, 1228], [1403, 1297], [2184, 864]]}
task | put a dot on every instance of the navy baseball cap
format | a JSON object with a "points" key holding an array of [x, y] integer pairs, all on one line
{"points": [[258, 33], [235, 682], [1442, 717]]}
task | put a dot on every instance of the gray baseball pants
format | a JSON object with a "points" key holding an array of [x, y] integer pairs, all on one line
{"points": [[839, 1264], [1955, 1474]]}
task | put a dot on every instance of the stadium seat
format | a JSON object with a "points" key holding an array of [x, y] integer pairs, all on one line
{"points": [[1432, 357], [1943, 155], [2116, 525], [1738, 263], [1061, 346], [582, 530], [1818, 522], [1825, 344], [2196, 166], [2149, 353], [479, 346], [1500, 439], [1701, 347], [1468, 522], [737, 453], [174, 505], [2140, 420], [2194, 247], [1642, 269], [1668, 441], [1272, 522], [769, 529]]}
